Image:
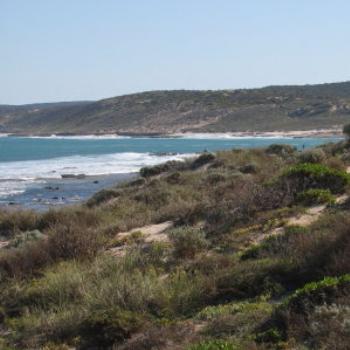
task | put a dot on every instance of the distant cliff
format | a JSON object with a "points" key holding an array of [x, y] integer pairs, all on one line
{"points": [[159, 112]]}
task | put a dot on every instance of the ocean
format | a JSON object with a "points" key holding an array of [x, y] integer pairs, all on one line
{"points": [[43, 172]]}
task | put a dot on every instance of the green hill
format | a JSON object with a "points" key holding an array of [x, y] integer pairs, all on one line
{"points": [[160, 112]]}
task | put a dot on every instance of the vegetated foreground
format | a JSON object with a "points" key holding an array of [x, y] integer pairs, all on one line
{"points": [[283, 108], [242, 249]]}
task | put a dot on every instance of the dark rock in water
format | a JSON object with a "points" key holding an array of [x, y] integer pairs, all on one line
{"points": [[96, 182], [12, 203], [55, 198], [73, 176], [51, 188], [164, 154]]}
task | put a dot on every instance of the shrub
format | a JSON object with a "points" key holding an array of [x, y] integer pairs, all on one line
{"points": [[278, 245], [161, 168], [13, 222], [187, 242], [26, 237], [239, 321], [317, 293], [23, 261], [174, 178], [73, 242], [299, 316], [102, 196], [346, 130], [203, 159], [213, 345], [316, 155], [250, 168], [316, 196], [102, 329], [308, 175], [272, 335], [215, 177], [281, 150], [329, 327]]}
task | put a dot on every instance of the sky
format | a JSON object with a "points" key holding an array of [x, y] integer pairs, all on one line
{"points": [[65, 50]]}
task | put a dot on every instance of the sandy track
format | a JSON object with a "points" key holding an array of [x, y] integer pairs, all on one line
{"points": [[150, 233]]}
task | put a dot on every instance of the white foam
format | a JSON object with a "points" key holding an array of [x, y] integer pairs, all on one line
{"points": [[234, 136], [81, 137], [16, 176]]}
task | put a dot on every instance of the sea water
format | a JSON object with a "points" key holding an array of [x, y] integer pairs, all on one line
{"points": [[31, 168]]}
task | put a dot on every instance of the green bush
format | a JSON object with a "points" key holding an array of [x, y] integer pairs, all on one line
{"points": [[250, 168], [346, 130], [13, 222], [187, 242], [162, 168], [281, 150], [214, 345], [25, 237], [102, 196], [319, 291], [307, 175], [316, 196], [74, 242], [102, 329], [316, 155], [272, 335], [203, 159]]}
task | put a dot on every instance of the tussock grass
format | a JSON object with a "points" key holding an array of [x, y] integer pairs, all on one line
{"points": [[64, 289]]}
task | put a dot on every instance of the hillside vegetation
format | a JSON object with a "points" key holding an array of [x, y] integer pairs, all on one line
{"points": [[159, 112], [241, 249]]}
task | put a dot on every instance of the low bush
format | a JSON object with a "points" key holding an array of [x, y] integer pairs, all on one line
{"points": [[346, 130], [103, 329], [250, 168], [24, 238], [162, 168], [318, 293], [187, 242], [214, 345], [74, 242], [316, 155], [282, 245], [281, 150], [102, 196], [307, 175], [24, 261], [311, 312], [315, 196], [203, 159], [237, 321], [14, 222]]}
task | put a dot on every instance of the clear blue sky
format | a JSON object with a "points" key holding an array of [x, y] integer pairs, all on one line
{"points": [[54, 50]]}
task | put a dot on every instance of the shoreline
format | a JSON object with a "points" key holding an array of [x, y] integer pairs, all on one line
{"points": [[235, 134], [55, 193]]}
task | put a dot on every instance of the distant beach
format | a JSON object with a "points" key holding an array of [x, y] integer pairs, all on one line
{"points": [[334, 132]]}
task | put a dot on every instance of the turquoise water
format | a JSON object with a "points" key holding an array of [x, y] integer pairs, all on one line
{"points": [[20, 149], [33, 171]]}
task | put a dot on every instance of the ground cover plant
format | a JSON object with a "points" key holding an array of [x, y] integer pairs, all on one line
{"points": [[218, 252]]}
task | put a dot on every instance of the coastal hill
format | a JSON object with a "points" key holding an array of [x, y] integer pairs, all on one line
{"points": [[160, 112]]}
